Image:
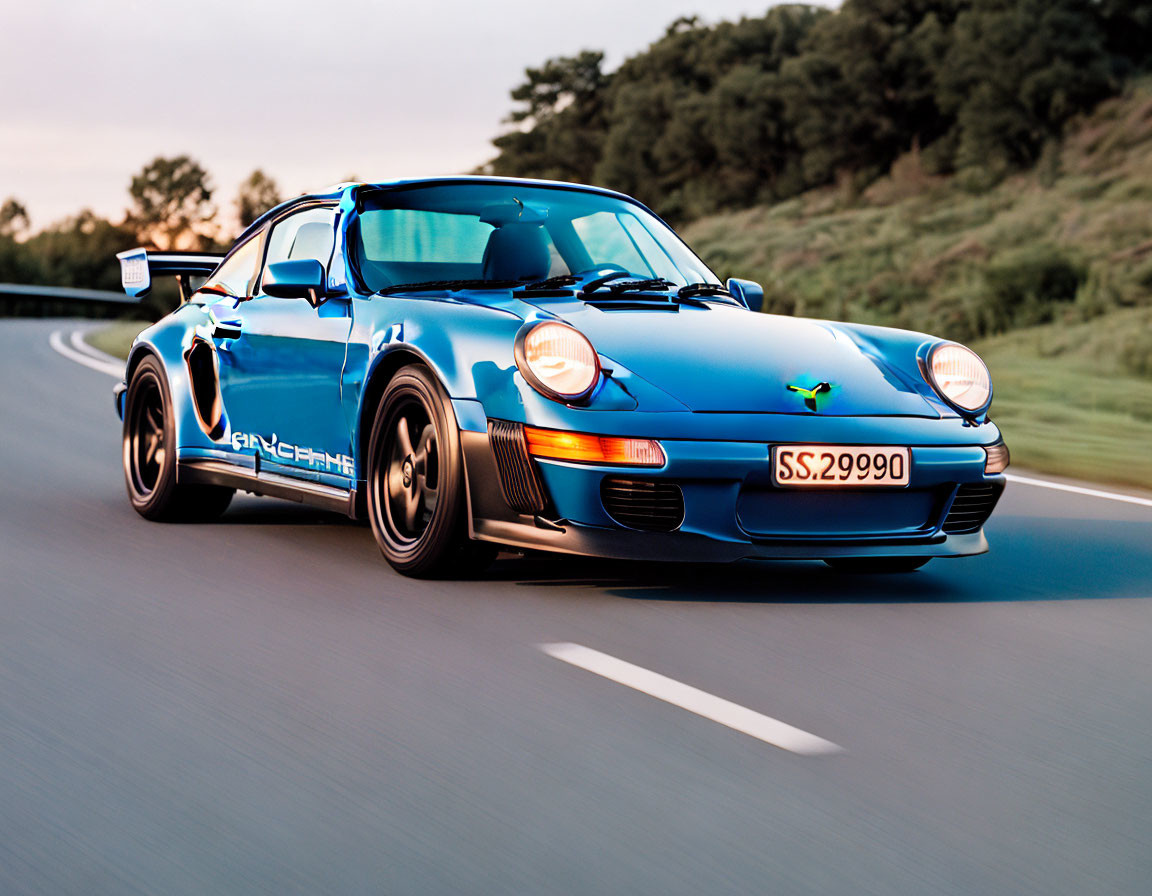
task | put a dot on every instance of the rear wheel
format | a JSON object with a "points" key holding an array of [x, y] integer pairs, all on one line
{"points": [[877, 564], [416, 493], [149, 455]]}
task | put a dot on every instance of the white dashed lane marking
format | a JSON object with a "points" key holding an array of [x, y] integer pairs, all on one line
{"points": [[717, 709]]}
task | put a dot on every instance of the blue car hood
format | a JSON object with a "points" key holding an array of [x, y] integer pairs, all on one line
{"points": [[728, 359]]}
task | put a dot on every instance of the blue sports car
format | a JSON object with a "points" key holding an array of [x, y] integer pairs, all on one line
{"points": [[477, 363]]}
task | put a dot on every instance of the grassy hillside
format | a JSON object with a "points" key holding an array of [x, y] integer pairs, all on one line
{"points": [[1048, 274]]}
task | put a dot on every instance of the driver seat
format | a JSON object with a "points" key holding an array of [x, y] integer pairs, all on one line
{"points": [[517, 251]]}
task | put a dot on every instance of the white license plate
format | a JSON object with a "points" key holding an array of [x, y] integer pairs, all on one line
{"points": [[846, 466]]}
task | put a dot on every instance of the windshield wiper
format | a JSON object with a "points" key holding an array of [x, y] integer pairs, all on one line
{"points": [[449, 285], [702, 289], [593, 285], [643, 285], [650, 285], [551, 283]]}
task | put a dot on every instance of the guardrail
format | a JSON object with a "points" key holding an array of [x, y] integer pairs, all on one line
{"points": [[28, 300]]}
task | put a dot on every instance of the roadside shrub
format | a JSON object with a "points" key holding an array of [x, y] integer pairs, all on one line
{"points": [[1136, 353], [1144, 276], [1099, 293], [1024, 287]]}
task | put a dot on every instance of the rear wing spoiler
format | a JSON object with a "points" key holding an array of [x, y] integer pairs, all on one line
{"points": [[139, 266]]}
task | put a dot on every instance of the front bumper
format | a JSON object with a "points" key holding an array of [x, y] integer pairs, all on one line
{"points": [[732, 510], [685, 547]]}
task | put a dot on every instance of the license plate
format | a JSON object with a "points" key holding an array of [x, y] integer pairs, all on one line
{"points": [[845, 466]]}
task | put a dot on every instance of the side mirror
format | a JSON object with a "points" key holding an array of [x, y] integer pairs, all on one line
{"points": [[299, 279], [747, 292]]}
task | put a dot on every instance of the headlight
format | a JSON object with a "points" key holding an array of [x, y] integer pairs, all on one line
{"points": [[557, 361], [960, 377]]}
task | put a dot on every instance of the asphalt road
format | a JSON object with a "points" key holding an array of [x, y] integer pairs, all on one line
{"points": [[262, 706]]}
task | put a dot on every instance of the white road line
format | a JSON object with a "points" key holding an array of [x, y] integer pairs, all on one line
{"points": [[79, 343], [1078, 490], [693, 699], [57, 343]]}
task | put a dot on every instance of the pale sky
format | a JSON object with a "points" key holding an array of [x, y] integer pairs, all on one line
{"points": [[309, 91]]}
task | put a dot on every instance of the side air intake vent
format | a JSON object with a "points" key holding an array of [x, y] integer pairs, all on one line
{"points": [[206, 399], [518, 481], [971, 508], [649, 504]]}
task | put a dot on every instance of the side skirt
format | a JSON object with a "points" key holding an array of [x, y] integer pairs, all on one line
{"points": [[273, 485]]}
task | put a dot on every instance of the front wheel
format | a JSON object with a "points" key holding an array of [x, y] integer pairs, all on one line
{"points": [[416, 494], [877, 564]]}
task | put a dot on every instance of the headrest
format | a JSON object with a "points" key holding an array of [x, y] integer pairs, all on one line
{"points": [[313, 240], [517, 252]]}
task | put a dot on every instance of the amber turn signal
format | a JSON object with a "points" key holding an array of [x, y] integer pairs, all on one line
{"points": [[590, 449]]}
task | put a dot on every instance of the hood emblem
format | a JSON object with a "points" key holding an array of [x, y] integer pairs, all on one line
{"points": [[809, 395]]}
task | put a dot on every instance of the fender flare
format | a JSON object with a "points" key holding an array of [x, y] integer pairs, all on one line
{"points": [[384, 367]]}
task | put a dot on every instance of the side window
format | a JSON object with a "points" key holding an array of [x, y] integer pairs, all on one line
{"points": [[306, 234], [234, 277]]}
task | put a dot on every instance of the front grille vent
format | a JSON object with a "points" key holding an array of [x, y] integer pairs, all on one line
{"points": [[518, 481], [971, 508], [652, 505]]}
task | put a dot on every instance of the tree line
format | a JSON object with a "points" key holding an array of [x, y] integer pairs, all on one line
{"points": [[170, 207], [749, 112], [718, 117]]}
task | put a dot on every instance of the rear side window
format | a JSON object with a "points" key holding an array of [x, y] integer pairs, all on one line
{"points": [[235, 276], [306, 234]]}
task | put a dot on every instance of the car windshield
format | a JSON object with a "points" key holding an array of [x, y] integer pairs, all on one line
{"points": [[495, 234]]}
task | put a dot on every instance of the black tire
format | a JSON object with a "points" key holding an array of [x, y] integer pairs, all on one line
{"points": [[877, 564], [150, 459], [417, 503]]}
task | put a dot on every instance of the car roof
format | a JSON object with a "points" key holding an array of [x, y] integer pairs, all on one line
{"points": [[337, 191]]}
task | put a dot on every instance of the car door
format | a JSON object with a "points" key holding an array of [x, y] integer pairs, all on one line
{"points": [[280, 368]]}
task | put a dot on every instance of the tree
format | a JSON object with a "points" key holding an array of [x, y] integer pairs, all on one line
{"points": [[13, 218], [1127, 28], [863, 89], [79, 251], [709, 117], [695, 122], [1016, 71], [559, 126], [257, 194], [171, 204]]}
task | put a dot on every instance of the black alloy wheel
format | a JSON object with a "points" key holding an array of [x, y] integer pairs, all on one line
{"points": [[416, 495], [411, 473], [146, 438], [149, 455]]}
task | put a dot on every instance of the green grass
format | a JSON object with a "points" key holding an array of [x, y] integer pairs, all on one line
{"points": [[1063, 406], [115, 339]]}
